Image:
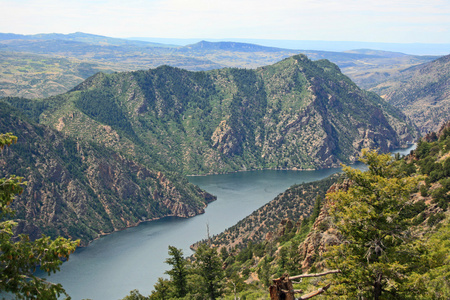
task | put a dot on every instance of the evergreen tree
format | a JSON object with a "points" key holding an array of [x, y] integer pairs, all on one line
{"points": [[224, 253], [135, 295], [209, 267], [316, 209], [435, 259], [264, 271], [19, 257], [162, 290], [178, 273], [374, 216]]}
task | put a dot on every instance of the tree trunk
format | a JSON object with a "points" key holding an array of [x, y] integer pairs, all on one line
{"points": [[377, 288]]}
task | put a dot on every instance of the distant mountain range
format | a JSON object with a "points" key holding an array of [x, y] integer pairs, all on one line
{"points": [[26, 74], [333, 46], [330, 46], [422, 93], [78, 37]]}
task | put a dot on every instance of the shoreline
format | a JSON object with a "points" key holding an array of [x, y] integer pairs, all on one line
{"points": [[100, 235], [409, 145]]}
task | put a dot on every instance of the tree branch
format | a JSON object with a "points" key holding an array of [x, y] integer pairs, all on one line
{"points": [[315, 274], [315, 293]]}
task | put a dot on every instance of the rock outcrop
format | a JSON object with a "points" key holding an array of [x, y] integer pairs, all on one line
{"points": [[81, 190], [296, 114], [422, 93], [321, 235]]}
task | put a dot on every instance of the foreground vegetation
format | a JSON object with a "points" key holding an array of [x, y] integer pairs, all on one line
{"points": [[387, 232], [387, 235], [20, 257]]}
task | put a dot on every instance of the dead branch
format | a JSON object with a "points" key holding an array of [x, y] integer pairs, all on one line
{"points": [[293, 291], [315, 293], [283, 289], [315, 274]]}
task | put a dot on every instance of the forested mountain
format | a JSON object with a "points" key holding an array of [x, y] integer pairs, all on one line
{"points": [[29, 68], [422, 93], [391, 221], [80, 189], [296, 114], [108, 154]]}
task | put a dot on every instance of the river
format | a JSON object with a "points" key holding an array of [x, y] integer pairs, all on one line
{"points": [[115, 264]]}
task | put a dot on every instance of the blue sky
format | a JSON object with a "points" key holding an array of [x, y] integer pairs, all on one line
{"points": [[391, 21]]}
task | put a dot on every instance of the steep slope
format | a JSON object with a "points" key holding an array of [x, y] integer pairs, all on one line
{"points": [[422, 93], [296, 114], [299, 245], [431, 201], [269, 222], [82, 190]]}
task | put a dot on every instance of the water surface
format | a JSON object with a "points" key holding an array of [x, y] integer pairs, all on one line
{"points": [[114, 265]]}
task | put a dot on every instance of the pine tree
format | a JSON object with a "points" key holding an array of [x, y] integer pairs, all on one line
{"points": [[374, 216], [209, 267], [19, 257], [178, 273]]}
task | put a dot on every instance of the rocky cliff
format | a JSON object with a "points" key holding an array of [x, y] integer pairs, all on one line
{"points": [[322, 234], [296, 114], [82, 190], [422, 93], [274, 219]]}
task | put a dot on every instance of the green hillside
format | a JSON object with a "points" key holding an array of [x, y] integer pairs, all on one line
{"points": [[296, 114], [82, 190], [391, 220]]}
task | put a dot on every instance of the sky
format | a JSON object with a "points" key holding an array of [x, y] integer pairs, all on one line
{"points": [[388, 21]]}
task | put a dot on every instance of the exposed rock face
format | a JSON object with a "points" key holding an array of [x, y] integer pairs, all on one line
{"points": [[286, 225], [322, 235], [423, 94], [296, 114], [276, 217], [224, 139], [81, 191], [433, 136]]}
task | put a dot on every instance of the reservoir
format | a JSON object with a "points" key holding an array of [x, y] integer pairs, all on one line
{"points": [[134, 258]]}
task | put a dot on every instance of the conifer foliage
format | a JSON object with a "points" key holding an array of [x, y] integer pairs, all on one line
{"points": [[178, 273], [19, 256], [374, 216], [200, 277]]}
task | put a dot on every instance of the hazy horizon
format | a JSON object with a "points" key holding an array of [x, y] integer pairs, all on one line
{"points": [[384, 21], [407, 48]]}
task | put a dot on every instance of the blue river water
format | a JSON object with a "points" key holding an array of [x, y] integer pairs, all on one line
{"points": [[112, 266]]}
